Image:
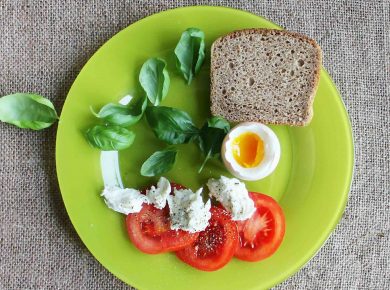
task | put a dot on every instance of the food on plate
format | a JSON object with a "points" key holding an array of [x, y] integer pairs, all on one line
{"points": [[150, 231], [215, 246], [188, 211], [154, 79], [261, 235], [159, 162], [112, 135], [169, 217], [126, 114], [109, 137], [171, 125], [124, 200], [130, 200], [189, 53], [233, 196], [251, 151], [265, 75], [210, 138], [174, 126], [157, 195]]}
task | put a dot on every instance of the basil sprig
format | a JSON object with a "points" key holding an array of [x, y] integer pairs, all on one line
{"points": [[154, 80], [189, 53], [171, 125], [123, 115], [159, 162], [27, 111], [111, 137], [211, 137], [174, 126]]}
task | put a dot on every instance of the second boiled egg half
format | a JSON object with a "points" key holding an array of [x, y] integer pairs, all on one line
{"points": [[251, 151]]}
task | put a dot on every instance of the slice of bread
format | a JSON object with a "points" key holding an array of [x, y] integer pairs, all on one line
{"points": [[265, 75]]}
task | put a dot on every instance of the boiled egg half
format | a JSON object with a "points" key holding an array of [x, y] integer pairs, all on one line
{"points": [[251, 151]]}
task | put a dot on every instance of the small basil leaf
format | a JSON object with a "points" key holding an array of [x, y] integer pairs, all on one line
{"points": [[190, 53], [154, 79], [27, 111], [123, 115], [108, 138], [211, 137], [159, 162], [219, 122], [171, 125]]}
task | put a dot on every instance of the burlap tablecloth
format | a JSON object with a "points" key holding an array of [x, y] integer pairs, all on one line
{"points": [[43, 46]]}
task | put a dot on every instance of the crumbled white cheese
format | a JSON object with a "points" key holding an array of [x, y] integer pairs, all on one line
{"points": [[124, 200], [187, 210], [233, 195], [158, 195]]}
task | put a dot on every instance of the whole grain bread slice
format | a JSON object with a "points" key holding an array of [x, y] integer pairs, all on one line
{"points": [[265, 75]]}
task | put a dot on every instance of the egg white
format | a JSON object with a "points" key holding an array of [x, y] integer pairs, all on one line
{"points": [[271, 151]]}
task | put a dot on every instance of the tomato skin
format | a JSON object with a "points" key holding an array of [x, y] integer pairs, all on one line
{"points": [[215, 246], [150, 230], [261, 235]]}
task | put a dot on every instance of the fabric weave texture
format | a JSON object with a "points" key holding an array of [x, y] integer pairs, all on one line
{"points": [[43, 46]]}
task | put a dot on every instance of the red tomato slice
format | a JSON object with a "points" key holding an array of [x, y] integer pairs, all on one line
{"points": [[150, 230], [261, 235], [215, 246]]}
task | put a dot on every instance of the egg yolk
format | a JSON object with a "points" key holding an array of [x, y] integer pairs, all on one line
{"points": [[248, 149]]}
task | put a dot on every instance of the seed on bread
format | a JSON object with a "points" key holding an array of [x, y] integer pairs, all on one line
{"points": [[265, 75]]}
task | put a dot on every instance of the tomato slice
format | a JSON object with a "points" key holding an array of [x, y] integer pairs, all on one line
{"points": [[215, 246], [261, 235], [150, 230], [151, 233]]}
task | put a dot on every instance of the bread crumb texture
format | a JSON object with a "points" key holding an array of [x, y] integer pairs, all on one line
{"points": [[269, 76]]}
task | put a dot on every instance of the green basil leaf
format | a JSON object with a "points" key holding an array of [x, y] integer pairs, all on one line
{"points": [[190, 53], [159, 162], [123, 115], [171, 125], [29, 111], [211, 137], [154, 79], [108, 138], [219, 122]]}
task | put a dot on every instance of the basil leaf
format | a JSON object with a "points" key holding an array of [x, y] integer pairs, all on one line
{"points": [[28, 111], [171, 125], [154, 79], [190, 53], [159, 162], [219, 122], [108, 138], [211, 137], [123, 115]]}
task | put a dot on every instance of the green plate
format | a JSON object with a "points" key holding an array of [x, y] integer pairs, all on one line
{"points": [[311, 182]]}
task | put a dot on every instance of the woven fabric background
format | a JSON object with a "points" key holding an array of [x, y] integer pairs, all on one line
{"points": [[43, 46]]}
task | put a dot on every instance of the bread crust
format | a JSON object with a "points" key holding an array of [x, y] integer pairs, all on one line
{"points": [[215, 108]]}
